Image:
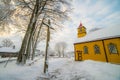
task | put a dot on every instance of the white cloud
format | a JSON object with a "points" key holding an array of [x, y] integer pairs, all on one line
{"points": [[67, 34], [91, 13]]}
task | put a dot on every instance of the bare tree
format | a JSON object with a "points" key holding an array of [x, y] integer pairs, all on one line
{"points": [[46, 9], [27, 41], [60, 48], [6, 11], [29, 16], [7, 43]]}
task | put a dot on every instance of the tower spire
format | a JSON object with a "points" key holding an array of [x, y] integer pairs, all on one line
{"points": [[80, 24]]}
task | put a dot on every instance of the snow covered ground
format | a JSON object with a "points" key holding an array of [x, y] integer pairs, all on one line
{"points": [[61, 69], [2, 60]]}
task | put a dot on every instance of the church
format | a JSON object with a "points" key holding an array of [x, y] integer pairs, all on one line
{"points": [[100, 45]]}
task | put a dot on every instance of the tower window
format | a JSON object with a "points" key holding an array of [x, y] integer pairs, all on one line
{"points": [[80, 30], [112, 48], [96, 49], [85, 50]]}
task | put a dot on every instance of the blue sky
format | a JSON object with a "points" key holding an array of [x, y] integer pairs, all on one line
{"points": [[96, 13], [92, 13]]}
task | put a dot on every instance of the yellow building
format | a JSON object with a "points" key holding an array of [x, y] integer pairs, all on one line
{"points": [[100, 45]]}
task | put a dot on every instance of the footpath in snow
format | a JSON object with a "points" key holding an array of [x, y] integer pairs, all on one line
{"points": [[61, 69]]}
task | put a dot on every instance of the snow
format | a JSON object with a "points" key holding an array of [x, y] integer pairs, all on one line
{"points": [[90, 70], [104, 33], [7, 58], [61, 69], [8, 49]]}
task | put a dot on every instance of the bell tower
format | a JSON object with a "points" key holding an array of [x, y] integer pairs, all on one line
{"points": [[81, 31]]}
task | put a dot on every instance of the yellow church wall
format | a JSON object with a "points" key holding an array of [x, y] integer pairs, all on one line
{"points": [[104, 55], [91, 54], [114, 58]]}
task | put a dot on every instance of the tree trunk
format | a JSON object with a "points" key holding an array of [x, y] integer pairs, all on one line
{"points": [[27, 36], [63, 53], [23, 48], [59, 53], [36, 40]]}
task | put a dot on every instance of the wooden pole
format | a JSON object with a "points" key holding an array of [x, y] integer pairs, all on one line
{"points": [[47, 48]]}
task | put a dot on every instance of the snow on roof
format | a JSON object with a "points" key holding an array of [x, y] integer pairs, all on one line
{"points": [[108, 32], [16, 39], [8, 49]]}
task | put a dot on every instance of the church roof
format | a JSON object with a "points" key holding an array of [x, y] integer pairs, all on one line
{"points": [[104, 33]]}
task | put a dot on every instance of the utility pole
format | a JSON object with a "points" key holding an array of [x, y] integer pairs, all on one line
{"points": [[47, 48]]}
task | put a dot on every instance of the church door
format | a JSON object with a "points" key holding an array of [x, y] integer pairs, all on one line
{"points": [[79, 55]]}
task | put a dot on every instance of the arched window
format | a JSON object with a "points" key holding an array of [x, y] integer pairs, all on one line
{"points": [[85, 50], [96, 49], [112, 48]]}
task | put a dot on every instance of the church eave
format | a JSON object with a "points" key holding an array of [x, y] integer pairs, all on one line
{"points": [[99, 39]]}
